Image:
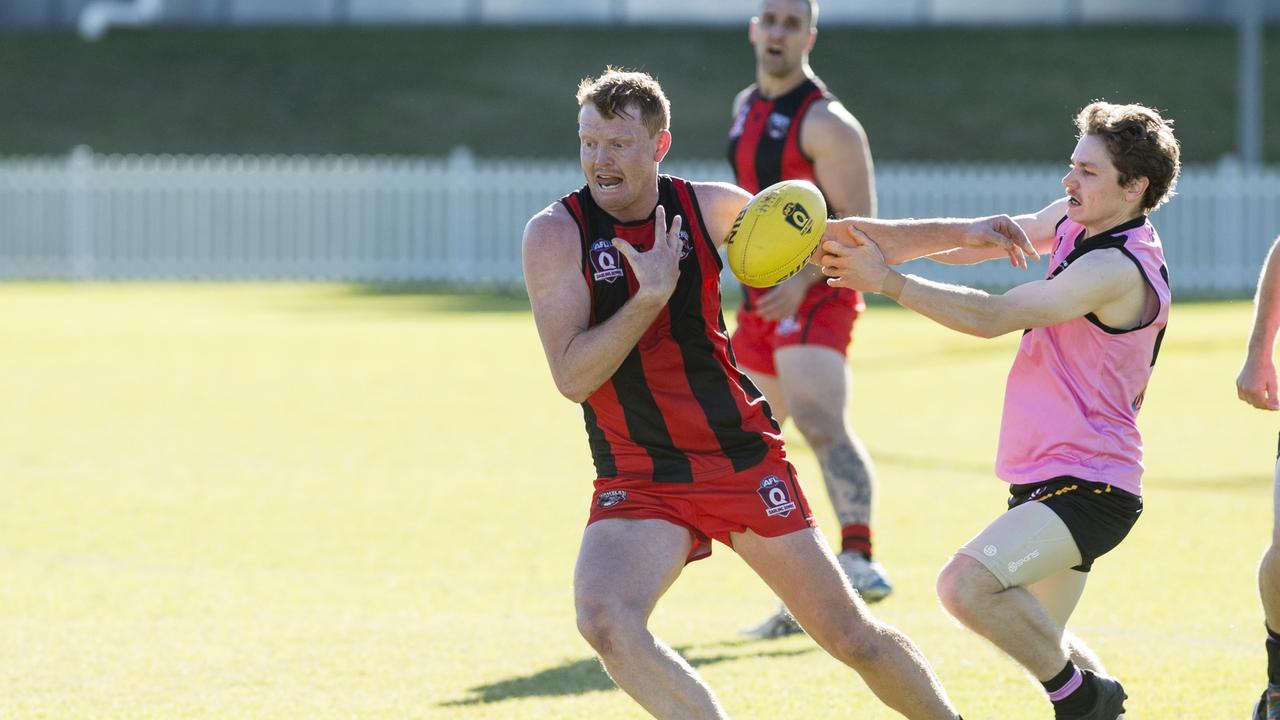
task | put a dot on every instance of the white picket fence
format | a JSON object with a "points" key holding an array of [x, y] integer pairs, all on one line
{"points": [[458, 220]]}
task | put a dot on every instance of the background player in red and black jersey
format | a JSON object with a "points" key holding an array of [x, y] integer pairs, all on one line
{"points": [[792, 339], [632, 329]]}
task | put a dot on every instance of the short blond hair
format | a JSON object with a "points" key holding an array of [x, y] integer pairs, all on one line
{"points": [[617, 89], [1140, 143]]}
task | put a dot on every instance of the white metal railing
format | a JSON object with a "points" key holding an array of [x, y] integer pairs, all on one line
{"points": [[459, 219]]}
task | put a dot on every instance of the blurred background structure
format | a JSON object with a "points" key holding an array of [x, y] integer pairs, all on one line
{"points": [[409, 140], [65, 14]]}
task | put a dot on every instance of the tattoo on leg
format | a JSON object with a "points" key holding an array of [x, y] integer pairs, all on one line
{"points": [[846, 468]]}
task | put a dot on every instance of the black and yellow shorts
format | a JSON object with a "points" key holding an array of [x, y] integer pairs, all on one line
{"points": [[1098, 515]]}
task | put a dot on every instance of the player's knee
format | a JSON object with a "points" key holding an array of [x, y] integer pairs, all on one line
{"points": [[1269, 568], [956, 589], [821, 429], [604, 623], [856, 644], [1271, 558]]}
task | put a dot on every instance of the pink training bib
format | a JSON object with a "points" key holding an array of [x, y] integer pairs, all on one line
{"points": [[1073, 394]]}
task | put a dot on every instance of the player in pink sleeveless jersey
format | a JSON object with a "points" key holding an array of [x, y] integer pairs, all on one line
{"points": [[1256, 385], [1069, 443]]}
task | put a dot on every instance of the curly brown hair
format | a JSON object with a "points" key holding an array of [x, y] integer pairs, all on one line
{"points": [[1140, 143], [617, 89]]}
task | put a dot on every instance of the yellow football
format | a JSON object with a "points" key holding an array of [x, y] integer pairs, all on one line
{"points": [[776, 233]]}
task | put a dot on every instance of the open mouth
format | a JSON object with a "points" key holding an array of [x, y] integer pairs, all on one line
{"points": [[607, 182], [773, 51]]}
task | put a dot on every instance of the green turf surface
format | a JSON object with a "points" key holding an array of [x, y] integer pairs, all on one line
{"points": [[935, 95], [333, 502]]}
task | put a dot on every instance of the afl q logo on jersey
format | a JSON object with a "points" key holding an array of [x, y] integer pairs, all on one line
{"points": [[778, 125], [777, 500], [686, 244], [797, 216], [606, 263]]}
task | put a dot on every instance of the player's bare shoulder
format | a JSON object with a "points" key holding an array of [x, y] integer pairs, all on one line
{"points": [[830, 122], [551, 225], [550, 241], [720, 203]]}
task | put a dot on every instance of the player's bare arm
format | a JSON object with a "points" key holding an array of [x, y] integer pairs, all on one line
{"points": [[1256, 383], [842, 162], [841, 159], [1103, 282], [1040, 228], [581, 357], [908, 239], [720, 203]]}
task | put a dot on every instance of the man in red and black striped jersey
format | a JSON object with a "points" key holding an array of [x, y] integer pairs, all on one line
{"points": [[792, 339], [623, 276]]}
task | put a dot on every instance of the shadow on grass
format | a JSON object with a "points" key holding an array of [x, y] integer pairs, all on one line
{"points": [[587, 675]]}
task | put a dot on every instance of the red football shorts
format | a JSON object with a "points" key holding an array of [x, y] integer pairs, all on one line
{"points": [[825, 318], [765, 499]]}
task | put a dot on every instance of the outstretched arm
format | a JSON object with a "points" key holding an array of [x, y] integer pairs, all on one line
{"points": [[1040, 228], [582, 357], [1085, 286], [1256, 383], [903, 240]]}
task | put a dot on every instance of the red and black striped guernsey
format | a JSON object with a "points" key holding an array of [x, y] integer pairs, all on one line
{"points": [[677, 408], [764, 142], [764, 148]]}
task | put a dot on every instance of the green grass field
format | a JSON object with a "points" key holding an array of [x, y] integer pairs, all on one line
{"points": [[272, 501]]}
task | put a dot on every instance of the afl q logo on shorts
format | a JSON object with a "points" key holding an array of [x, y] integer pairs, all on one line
{"points": [[609, 498], [777, 500], [797, 216]]}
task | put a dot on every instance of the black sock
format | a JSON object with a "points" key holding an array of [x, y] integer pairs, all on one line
{"points": [[1273, 657], [1071, 692]]}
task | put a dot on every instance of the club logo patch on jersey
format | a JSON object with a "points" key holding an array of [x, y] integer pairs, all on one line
{"points": [[686, 244], [788, 325], [776, 497], [609, 498], [778, 125], [798, 217], [606, 261]]}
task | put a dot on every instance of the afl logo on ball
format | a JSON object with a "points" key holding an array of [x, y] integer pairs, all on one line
{"points": [[609, 498], [777, 500], [606, 263], [798, 217]]}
